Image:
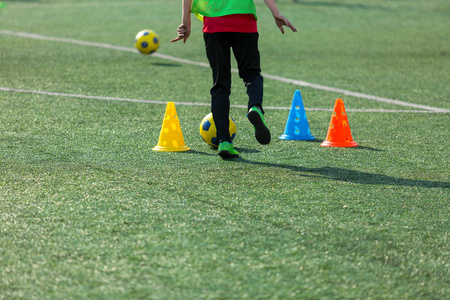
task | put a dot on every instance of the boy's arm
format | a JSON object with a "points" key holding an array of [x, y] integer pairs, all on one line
{"points": [[184, 30], [279, 19]]}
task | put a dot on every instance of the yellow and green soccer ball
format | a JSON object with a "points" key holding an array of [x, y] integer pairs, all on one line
{"points": [[208, 130], [146, 41]]}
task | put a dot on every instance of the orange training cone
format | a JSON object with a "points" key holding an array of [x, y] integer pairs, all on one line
{"points": [[339, 134], [171, 137]]}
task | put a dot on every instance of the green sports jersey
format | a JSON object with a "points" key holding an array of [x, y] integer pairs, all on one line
{"points": [[218, 8]]}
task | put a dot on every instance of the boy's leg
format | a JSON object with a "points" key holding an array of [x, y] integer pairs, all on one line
{"points": [[218, 53], [245, 49]]}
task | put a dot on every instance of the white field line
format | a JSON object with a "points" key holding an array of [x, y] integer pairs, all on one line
{"points": [[273, 77], [80, 96], [88, 4]]}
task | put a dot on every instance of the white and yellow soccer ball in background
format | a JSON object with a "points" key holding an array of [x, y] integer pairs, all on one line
{"points": [[208, 130], [146, 41]]}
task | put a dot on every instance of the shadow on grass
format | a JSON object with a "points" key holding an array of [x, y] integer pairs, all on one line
{"points": [[319, 141], [347, 175], [165, 64], [246, 150], [367, 148], [199, 152], [240, 150]]}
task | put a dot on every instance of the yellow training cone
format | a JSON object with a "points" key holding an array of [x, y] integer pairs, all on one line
{"points": [[171, 137]]}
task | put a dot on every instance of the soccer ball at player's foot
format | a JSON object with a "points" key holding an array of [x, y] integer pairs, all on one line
{"points": [[209, 133]]}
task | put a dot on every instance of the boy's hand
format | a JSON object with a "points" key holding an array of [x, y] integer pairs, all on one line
{"points": [[183, 32], [282, 21]]}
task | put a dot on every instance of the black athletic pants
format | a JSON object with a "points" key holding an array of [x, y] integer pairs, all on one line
{"points": [[245, 50]]}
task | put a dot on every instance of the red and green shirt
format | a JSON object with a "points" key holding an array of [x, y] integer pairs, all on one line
{"points": [[226, 15]]}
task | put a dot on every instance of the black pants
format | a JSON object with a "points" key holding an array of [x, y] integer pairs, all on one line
{"points": [[245, 50]]}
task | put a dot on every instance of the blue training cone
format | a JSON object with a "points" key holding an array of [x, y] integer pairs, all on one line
{"points": [[297, 126]]}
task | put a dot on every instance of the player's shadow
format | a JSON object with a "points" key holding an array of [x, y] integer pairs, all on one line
{"points": [[347, 175], [199, 152], [246, 150], [240, 150]]}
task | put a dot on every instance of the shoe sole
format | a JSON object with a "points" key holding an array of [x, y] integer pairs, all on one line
{"points": [[262, 133], [227, 154]]}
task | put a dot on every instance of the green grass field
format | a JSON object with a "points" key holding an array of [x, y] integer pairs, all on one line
{"points": [[89, 211]]}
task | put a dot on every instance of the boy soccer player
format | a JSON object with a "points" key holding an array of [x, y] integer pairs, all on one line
{"points": [[231, 24]]}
